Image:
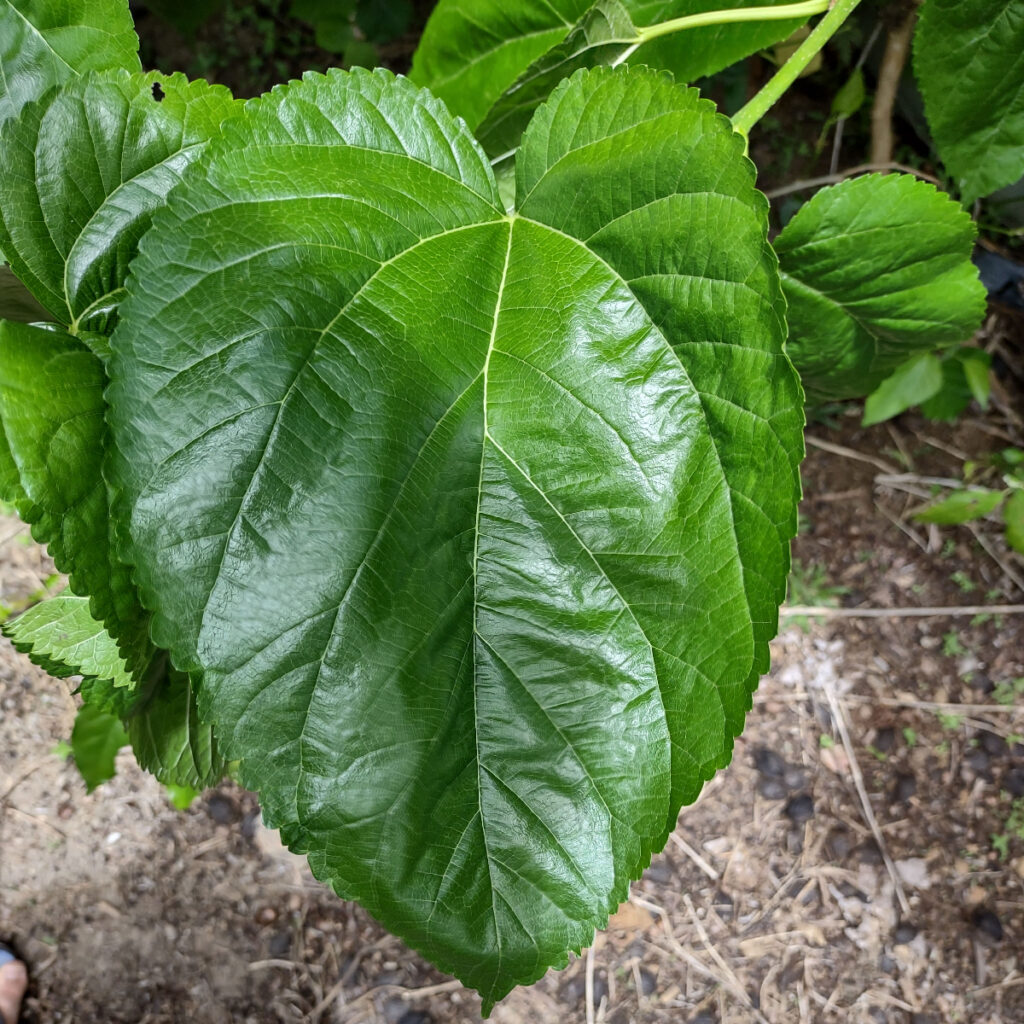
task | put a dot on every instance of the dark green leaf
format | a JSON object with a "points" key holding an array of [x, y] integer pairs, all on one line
{"points": [[969, 63], [603, 34], [1013, 514], [474, 51], [961, 507], [914, 382], [44, 43], [952, 397], [875, 270], [80, 175], [61, 635], [475, 524], [95, 741], [52, 410]]}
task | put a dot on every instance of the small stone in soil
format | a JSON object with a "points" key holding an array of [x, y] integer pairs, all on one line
{"points": [[768, 762], [885, 739], [280, 943], [839, 844], [905, 788], [800, 808], [922, 1018], [905, 933], [222, 809], [1014, 782], [989, 926], [993, 744], [660, 871], [979, 762], [416, 1017], [869, 853], [648, 982]]}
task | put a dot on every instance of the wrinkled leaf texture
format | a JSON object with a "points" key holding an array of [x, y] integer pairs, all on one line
{"points": [[876, 270], [969, 64], [474, 51], [475, 523]]}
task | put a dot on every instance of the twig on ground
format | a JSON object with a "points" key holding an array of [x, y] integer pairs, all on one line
{"points": [[589, 984], [851, 453], [996, 557], [902, 527], [894, 59], [695, 857], [954, 611], [850, 172], [839, 716]]}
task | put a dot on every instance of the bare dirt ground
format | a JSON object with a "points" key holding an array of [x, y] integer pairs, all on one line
{"points": [[862, 860]]}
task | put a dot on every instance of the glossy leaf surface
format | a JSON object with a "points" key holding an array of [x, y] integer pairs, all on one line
{"points": [[969, 63], [875, 270], [80, 175], [44, 43], [474, 51], [475, 524]]}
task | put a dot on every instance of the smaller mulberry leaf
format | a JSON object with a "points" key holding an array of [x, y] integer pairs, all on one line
{"points": [[52, 410], [876, 270], [44, 43], [81, 173], [969, 63]]}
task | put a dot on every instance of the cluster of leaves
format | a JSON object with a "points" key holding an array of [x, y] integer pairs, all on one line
{"points": [[440, 484]]}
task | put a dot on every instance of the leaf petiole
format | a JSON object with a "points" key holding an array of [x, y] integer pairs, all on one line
{"points": [[746, 118], [777, 13]]}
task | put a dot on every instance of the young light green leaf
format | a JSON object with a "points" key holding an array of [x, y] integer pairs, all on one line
{"points": [[917, 380], [473, 52], [52, 410], [977, 366], [44, 43], [1013, 516], [95, 740], [80, 175], [850, 98], [961, 507], [952, 397], [967, 60], [62, 631], [477, 561], [875, 270]]}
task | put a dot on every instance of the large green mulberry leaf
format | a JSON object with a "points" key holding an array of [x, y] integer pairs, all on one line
{"points": [[475, 54], [969, 63], [476, 548], [81, 173], [44, 43], [876, 270]]}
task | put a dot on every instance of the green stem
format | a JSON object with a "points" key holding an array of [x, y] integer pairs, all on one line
{"points": [[790, 71], [778, 13]]}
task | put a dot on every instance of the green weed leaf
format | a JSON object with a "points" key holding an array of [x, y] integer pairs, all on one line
{"points": [[875, 270], [913, 383], [1013, 516], [95, 741], [961, 507], [476, 524], [967, 60], [44, 43]]}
